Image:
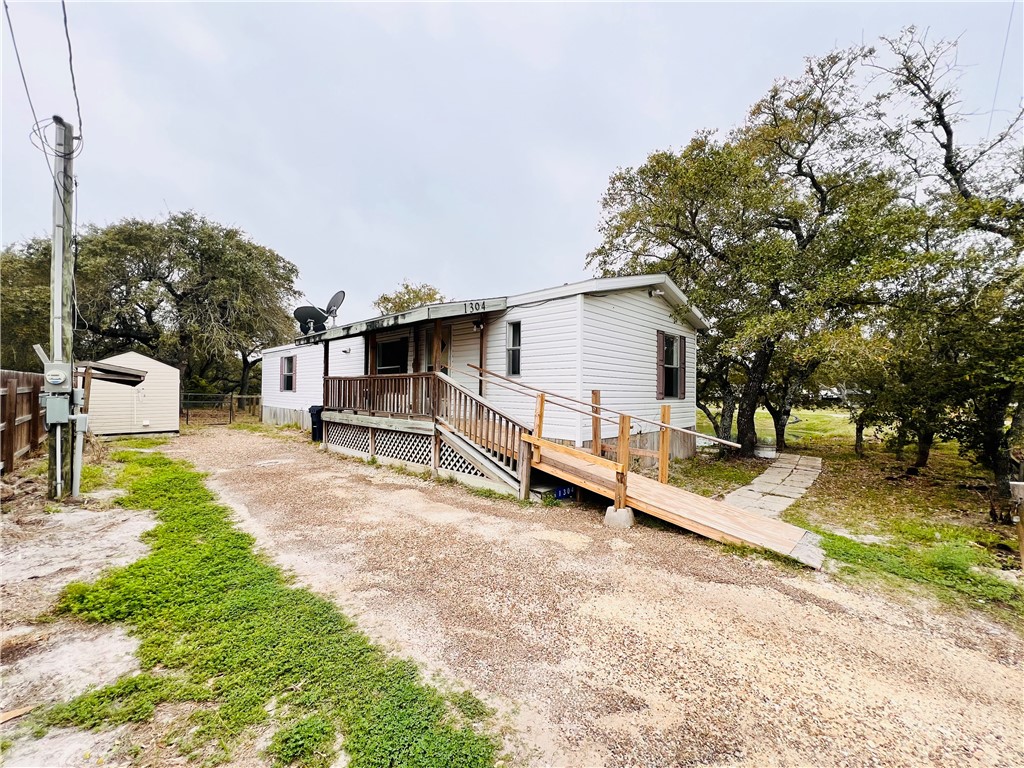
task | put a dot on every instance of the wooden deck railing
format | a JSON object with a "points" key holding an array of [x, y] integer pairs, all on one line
{"points": [[431, 395], [496, 433], [400, 394]]}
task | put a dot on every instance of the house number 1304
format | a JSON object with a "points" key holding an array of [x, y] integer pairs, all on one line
{"points": [[476, 306]]}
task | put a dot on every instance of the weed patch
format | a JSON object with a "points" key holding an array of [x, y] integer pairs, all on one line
{"points": [[140, 442], [220, 625], [489, 493]]}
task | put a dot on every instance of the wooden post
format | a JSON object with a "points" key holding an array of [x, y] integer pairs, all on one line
{"points": [[623, 459], [10, 417], [664, 440], [436, 351], [525, 460], [483, 353], [538, 422], [435, 452], [327, 373], [88, 390], [37, 430], [595, 422], [372, 447], [231, 408], [371, 351]]}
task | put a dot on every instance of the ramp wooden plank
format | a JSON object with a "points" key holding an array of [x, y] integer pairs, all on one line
{"points": [[707, 517]]}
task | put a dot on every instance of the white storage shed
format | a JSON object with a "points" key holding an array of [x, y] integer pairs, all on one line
{"points": [[151, 407]]}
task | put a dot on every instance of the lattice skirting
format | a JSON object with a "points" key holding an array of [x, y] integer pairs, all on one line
{"points": [[415, 449], [404, 447], [454, 462], [349, 436]]}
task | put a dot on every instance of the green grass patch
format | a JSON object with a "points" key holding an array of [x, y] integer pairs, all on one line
{"points": [[811, 425], [933, 529], [709, 475], [218, 625], [93, 477], [947, 568], [140, 442]]}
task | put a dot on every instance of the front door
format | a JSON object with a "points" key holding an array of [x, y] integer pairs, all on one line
{"points": [[393, 356], [446, 349]]}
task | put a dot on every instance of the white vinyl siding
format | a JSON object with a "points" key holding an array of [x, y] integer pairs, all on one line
{"points": [[549, 360], [153, 406], [294, 406], [620, 357]]}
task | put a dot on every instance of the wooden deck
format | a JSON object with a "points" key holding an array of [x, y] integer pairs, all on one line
{"points": [[713, 519]]}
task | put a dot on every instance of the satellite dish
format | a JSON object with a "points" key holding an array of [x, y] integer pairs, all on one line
{"points": [[334, 303], [313, 319]]}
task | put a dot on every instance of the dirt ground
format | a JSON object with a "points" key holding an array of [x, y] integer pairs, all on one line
{"points": [[44, 548], [646, 647]]}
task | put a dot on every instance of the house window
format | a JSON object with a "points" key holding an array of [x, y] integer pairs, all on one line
{"points": [[671, 366], [288, 374], [513, 340]]}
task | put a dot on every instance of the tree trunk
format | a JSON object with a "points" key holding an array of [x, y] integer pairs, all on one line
{"points": [[725, 421], [243, 382], [925, 440], [750, 398], [995, 442], [858, 445], [780, 428]]}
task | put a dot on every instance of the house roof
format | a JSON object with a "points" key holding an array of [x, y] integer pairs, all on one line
{"points": [[596, 286], [604, 285]]}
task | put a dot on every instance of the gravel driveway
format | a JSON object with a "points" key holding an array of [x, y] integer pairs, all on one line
{"points": [[620, 648]]}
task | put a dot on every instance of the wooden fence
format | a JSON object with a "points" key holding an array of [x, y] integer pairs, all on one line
{"points": [[23, 428]]}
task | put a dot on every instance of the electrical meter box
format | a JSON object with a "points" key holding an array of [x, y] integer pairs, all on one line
{"points": [[57, 377]]}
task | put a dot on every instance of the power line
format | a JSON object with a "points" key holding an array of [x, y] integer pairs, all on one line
{"points": [[1002, 58], [36, 129], [71, 66], [21, 69]]}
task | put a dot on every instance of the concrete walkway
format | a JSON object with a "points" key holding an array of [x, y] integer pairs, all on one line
{"points": [[785, 481]]}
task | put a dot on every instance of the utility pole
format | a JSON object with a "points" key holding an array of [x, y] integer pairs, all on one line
{"points": [[60, 370]]}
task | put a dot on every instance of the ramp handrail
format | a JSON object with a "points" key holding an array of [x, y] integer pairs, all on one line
{"points": [[654, 422]]}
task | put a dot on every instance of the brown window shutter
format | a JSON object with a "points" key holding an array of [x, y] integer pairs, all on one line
{"points": [[295, 373], [661, 365], [280, 380], [682, 367]]}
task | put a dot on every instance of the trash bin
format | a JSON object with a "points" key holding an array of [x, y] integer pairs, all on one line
{"points": [[315, 416]]}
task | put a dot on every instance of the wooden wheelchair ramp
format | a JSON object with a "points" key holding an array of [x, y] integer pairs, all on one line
{"points": [[707, 517]]}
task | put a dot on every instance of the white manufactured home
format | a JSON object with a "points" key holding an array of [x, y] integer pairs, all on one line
{"points": [[630, 338], [149, 408]]}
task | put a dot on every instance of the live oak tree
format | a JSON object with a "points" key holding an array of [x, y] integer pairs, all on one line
{"points": [[408, 296], [973, 192], [776, 232], [188, 291]]}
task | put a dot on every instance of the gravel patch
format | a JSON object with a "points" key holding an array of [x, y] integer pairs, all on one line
{"points": [[646, 647]]}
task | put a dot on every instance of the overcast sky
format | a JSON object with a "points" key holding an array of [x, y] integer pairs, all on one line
{"points": [[462, 145]]}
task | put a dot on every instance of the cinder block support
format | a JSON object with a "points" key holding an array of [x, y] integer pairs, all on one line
{"points": [[618, 518]]}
